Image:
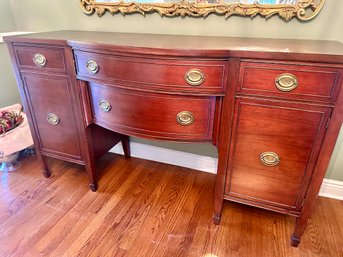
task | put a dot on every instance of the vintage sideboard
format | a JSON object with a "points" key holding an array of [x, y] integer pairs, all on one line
{"points": [[273, 108]]}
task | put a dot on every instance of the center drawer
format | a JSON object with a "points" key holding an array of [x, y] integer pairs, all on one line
{"points": [[159, 116], [171, 75]]}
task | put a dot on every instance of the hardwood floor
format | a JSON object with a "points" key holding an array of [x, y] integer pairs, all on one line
{"points": [[145, 208]]}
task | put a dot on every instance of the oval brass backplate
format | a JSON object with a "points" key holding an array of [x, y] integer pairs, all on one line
{"points": [[185, 118], [194, 77], [92, 66], [269, 159], [105, 105], [53, 119], [39, 60], [286, 82]]}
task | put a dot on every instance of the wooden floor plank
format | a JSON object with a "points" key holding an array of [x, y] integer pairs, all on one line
{"points": [[144, 208]]}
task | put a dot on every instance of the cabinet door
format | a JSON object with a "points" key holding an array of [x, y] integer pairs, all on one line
{"points": [[273, 150], [50, 100]]}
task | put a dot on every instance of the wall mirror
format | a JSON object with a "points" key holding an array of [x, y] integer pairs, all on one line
{"points": [[287, 9]]}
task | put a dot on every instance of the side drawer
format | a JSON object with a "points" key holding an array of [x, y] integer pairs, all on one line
{"points": [[273, 151], [174, 75], [159, 116], [38, 57], [290, 81], [51, 104]]}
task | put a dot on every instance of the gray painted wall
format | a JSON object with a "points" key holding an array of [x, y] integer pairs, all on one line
{"points": [[8, 90], [6, 17], [45, 15]]}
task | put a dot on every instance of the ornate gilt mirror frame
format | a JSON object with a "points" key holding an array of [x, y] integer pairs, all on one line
{"points": [[304, 10]]}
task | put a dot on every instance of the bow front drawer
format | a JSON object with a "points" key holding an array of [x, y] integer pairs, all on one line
{"points": [[297, 81], [147, 74], [159, 116], [42, 58]]}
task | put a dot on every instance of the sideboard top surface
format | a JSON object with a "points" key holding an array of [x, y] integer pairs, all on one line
{"points": [[291, 49]]}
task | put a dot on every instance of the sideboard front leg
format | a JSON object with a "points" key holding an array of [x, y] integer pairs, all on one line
{"points": [[218, 203], [90, 160], [295, 240], [320, 169], [300, 225], [92, 176], [218, 196], [44, 163], [302, 220], [224, 138], [126, 146]]}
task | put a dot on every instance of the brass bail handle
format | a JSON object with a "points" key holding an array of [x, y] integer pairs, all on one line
{"points": [[185, 118], [194, 77], [105, 105], [286, 82], [269, 159], [53, 119], [39, 60]]}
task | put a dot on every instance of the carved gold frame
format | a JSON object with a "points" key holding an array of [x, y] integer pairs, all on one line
{"points": [[304, 10]]}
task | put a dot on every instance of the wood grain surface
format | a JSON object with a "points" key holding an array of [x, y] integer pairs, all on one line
{"points": [[303, 50], [153, 115], [153, 74], [145, 208]]}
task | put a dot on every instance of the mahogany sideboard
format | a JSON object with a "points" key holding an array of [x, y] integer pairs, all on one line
{"points": [[273, 108]]}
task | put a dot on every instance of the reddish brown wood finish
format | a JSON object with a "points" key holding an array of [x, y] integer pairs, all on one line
{"points": [[318, 82], [191, 46], [320, 169], [54, 56], [151, 74], [293, 131], [143, 78], [54, 89], [52, 94], [153, 115], [224, 138]]}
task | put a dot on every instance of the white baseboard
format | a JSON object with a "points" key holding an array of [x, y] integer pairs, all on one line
{"points": [[178, 158], [330, 188]]}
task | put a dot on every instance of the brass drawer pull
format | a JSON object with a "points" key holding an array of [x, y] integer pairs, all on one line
{"points": [[105, 105], [92, 66], [185, 118], [39, 60], [286, 82], [53, 119], [269, 159], [194, 77]]}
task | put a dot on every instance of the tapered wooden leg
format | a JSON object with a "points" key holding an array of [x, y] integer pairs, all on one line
{"points": [[126, 146], [218, 203], [90, 160], [295, 241], [300, 225], [216, 219], [218, 199], [44, 163], [219, 191], [92, 174], [93, 186]]}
